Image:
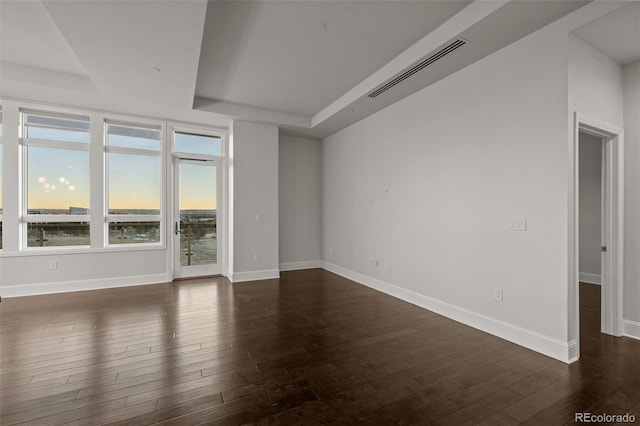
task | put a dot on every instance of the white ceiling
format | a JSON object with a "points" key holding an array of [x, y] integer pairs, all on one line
{"points": [[617, 34], [102, 54], [31, 38], [255, 60], [120, 42], [295, 68]]}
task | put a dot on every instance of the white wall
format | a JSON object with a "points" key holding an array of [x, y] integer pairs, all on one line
{"points": [[590, 169], [26, 275], [417, 196], [300, 205], [595, 84], [632, 198], [255, 173], [253, 201], [597, 90]]}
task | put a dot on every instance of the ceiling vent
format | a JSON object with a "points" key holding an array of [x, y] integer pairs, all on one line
{"points": [[423, 64]]}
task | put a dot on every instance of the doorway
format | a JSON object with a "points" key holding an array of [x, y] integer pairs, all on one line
{"points": [[592, 196], [593, 136], [197, 208]]}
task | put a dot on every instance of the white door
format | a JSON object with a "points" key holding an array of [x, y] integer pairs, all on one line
{"points": [[195, 231], [605, 202]]}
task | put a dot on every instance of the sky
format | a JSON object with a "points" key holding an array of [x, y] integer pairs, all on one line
{"points": [[134, 182], [59, 178], [197, 187]]}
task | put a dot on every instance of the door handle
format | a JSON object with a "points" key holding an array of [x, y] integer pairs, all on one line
{"points": [[177, 229], [603, 249]]}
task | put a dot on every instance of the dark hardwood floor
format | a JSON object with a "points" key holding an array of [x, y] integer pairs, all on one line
{"points": [[310, 348]]}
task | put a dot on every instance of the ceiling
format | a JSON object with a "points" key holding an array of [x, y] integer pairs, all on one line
{"points": [[303, 55], [304, 65], [617, 34], [102, 54]]}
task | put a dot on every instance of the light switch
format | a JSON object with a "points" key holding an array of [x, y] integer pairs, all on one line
{"points": [[517, 224]]}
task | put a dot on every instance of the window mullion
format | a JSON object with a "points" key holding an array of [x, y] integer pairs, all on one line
{"points": [[46, 143], [132, 151], [132, 218], [97, 179], [55, 218]]}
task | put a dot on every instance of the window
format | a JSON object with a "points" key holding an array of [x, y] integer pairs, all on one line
{"points": [[134, 183], [190, 143], [56, 160], [85, 181], [197, 172]]}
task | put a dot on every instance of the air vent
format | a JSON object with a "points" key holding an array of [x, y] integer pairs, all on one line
{"points": [[425, 63]]}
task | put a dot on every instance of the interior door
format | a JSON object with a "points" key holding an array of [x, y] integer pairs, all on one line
{"points": [[196, 237], [605, 203]]}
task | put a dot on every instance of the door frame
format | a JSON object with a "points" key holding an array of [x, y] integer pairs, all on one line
{"points": [[196, 270], [612, 231], [220, 162]]}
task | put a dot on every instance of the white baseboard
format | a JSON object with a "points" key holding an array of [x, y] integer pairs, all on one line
{"points": [[560, 350], [590, 278], [632, 329], [574, 352], [236, 277], [296, 266], [81, 285]]}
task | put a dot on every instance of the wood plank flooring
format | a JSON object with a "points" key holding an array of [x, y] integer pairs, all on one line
{"points": [[309, 348]]}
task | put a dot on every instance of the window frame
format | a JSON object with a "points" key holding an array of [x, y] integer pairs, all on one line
{"points": [[107, 149], [221, 164], [197, 129], [14, 221], [25, 218]]}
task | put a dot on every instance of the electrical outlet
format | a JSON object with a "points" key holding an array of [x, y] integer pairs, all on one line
{"points": [[497, 294], [53, 265]]}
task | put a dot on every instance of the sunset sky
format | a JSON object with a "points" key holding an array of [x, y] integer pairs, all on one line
{"points": [[197, 187], [59, 178], [134, 182]]}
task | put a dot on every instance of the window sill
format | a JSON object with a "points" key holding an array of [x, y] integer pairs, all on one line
{"points": [[62, 251]]}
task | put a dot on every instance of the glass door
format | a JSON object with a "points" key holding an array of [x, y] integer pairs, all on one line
{"points": [[196, 237]]}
